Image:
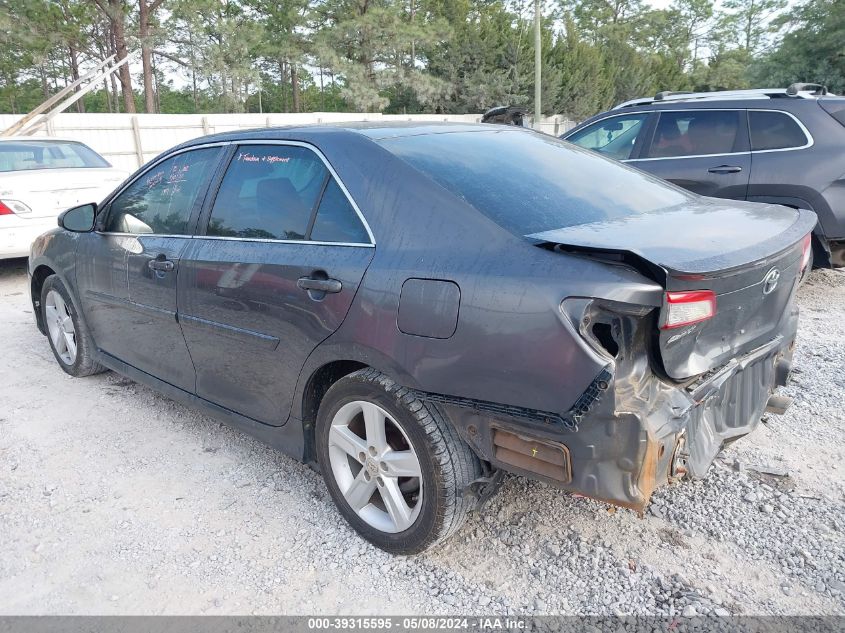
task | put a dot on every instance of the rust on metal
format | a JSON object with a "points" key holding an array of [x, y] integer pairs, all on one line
{"points": [[549, 459]]}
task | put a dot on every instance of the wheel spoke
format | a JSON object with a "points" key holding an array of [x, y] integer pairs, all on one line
{"points": [[60, 303], [70, 345], [67, 325], [59, 342], [342, 437], [401, 464], [398, 510], [50, 313], [359, 492], [374, 421]]}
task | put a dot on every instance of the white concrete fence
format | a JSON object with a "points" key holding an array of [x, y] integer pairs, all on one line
{"points": [[128, 141]]}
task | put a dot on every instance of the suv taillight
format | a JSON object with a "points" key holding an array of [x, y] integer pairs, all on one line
{"points": [[686, 308]]}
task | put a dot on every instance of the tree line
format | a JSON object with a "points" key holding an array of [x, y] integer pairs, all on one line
{"points": [[396, 56]]}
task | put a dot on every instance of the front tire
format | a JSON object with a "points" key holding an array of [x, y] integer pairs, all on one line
{"points": [[66, 330], [395, 468]]}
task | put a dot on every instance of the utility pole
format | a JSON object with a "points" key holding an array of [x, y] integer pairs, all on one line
{"points": [[538, 62]]}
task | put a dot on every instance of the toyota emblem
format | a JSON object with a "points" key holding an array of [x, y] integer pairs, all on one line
{"points": [[770, 281]]}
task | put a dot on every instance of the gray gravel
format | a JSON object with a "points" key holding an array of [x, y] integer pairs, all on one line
{"points": [[114, 499]]}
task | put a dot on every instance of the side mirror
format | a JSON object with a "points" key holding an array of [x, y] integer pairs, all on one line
{"points": [[79, 219]]}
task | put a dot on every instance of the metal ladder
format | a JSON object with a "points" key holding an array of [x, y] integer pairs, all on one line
{"points": [[59, 102]]}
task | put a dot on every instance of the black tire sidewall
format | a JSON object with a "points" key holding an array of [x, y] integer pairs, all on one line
{"points": [[427, 525]]}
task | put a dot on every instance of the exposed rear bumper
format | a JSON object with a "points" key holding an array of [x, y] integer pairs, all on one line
{"points": [[642, 432]]}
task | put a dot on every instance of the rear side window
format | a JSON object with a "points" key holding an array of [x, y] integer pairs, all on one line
{"points": [[28, 155], [529, 182], [336, 220], [775, 130], [273, 191], [614, 137], [695, 133], [268, 192], [161, 200]]}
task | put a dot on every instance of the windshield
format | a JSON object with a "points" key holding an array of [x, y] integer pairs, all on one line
{"points": [[27, 155], [529, 182]]}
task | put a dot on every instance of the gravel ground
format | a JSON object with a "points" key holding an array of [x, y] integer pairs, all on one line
{"points": [[114, 499]]}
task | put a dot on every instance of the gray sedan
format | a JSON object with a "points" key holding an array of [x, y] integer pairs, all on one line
{"points": [[418, 309]]}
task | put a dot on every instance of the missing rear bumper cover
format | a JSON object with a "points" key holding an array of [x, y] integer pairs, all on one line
{"points": [[532, 455]]}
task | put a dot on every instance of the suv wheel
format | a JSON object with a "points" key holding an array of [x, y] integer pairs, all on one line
{"points": [[69, 338], [394, 467]]}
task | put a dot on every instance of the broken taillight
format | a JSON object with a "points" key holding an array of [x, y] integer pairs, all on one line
{"points": [[686, 308], [806, 250]]}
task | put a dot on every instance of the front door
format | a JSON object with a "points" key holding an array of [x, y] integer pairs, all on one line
{"points": [[129, 267], [705, 151], [282, 257]]}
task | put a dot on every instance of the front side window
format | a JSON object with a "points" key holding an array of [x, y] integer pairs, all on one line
{"points": [[161, 200], [273, 191], [695, 133], [775, 130], [28, 155], [614, 137]]}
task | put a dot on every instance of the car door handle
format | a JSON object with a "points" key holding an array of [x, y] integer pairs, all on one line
{"points": [[725, 169], [319, 285], [164, 265]]}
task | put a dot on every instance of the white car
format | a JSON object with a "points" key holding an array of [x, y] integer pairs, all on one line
{"points": [[40, 178]]}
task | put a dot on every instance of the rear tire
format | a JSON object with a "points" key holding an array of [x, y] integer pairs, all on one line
{"points": [[402, 490], [66, 330]]}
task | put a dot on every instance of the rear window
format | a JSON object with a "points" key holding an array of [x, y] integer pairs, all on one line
{"points": [[774, 130], [529, 182], [835, 108], [28, 155]]}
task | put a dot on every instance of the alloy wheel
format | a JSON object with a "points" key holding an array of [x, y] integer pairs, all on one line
{"points": [[375, 466], [60, 326]]}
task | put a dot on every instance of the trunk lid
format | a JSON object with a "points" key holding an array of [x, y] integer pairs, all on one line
{"points": [[48, 192], [730, 248]]}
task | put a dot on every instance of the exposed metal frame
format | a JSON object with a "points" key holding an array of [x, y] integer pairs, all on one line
{"points": [[247, 141]]}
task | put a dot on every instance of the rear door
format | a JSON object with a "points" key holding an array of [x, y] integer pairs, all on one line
{"points": [[280, 259], [705, 151], [780, 144], [128, 268]]}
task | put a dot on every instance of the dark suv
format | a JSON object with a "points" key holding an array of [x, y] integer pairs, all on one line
{"points": [[776, 146]]}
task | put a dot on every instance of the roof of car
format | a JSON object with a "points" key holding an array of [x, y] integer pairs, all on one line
{"points": [[795, 92], [370, 129], [40, 139]]}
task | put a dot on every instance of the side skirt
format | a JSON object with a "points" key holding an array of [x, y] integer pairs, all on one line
{"points": [[288, 438]]}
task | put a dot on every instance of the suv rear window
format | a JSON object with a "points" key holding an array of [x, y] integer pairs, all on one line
{"points": [[529, 182], [774, 130], [835, 107]]}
